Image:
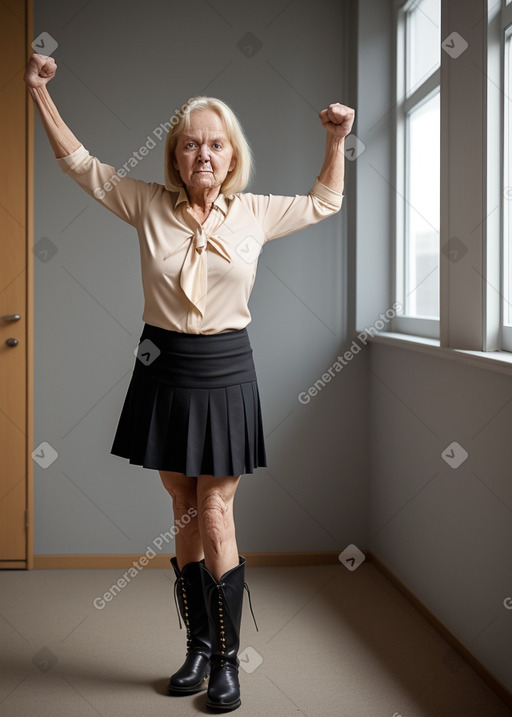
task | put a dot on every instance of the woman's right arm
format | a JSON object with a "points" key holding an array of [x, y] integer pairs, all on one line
{"points": [[39, 72], [125, 196]]}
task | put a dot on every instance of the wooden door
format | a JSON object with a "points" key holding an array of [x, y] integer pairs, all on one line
{"points": [[16, 272]]}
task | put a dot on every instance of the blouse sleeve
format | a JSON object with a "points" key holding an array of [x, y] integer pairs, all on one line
{"points": [[281, 215], [125, 196]]}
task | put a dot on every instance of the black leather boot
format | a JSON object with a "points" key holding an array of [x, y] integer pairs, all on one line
{"points": [[188, 595], [224, 606]]}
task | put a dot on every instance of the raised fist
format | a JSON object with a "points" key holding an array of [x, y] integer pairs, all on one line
{"points": [[337, 119], [40, 70]]}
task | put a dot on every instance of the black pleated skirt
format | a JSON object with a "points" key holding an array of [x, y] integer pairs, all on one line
{"points": [[192, 405]]}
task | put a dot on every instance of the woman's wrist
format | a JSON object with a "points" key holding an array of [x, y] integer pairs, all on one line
{"points": [[335, 144], [62, 140], [333, 169]]}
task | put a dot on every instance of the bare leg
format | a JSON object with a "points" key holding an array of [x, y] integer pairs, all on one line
{"points": [[215, 498], [183, 491]]}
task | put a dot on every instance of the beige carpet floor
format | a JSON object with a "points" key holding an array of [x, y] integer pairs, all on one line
{"points": [[331, 642]]}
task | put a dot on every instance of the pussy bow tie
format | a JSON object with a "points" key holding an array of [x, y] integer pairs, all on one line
{"points": [[193, 278]]}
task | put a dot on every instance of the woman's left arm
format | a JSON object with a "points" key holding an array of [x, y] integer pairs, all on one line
{"points": [[282, 215], [337, 120]]}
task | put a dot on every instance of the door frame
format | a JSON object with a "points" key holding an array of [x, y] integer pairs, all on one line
{"points": [[26, 7], [29, 173]]}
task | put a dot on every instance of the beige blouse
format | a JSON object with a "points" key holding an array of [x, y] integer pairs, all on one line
{"points": [[197, 278]]}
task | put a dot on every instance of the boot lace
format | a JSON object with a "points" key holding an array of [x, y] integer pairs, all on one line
{"points": [[246, 587], [179, 584]]}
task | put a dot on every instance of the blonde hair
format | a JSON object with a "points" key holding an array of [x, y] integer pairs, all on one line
{"points": [[238, 178]]}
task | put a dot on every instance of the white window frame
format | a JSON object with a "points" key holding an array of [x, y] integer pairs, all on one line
{"points": [[471, 181], [402, 323], [505, 173]]}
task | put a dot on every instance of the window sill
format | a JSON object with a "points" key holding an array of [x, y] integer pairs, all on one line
{"points": [[500, 361]]}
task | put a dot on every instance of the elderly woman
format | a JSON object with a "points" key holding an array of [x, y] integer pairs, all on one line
{"points": [[192, 407]]}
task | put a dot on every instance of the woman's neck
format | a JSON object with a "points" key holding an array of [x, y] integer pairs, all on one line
{"points": [[201, 199]]}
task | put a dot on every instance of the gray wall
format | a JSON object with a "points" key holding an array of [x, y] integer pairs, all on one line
{"points": [[123, 68], [445, 531]]}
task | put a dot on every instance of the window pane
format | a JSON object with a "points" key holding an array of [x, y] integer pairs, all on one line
{"points": [[507, 194], [422, 210], [423, 41]]}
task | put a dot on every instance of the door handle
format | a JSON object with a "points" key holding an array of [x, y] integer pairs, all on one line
{"points": [[10, 317], [12, 342]]}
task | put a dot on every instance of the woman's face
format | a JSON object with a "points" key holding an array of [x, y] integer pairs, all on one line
{"points": [[204, 155]]}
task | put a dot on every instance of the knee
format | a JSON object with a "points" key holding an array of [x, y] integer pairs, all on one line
{"points": [[184, 503], [182, 492], [215, 517]]}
